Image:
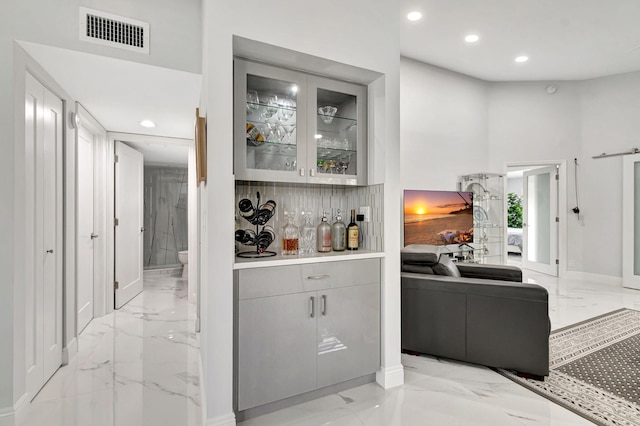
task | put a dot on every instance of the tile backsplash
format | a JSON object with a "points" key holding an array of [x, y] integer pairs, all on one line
{"points": [[315, 198]]}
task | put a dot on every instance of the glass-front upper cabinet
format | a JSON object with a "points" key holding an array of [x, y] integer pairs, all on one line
{"points": [[338, 126], [269, 123], [293, 127]]}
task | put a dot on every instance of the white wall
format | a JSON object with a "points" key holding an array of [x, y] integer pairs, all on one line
{"points": [[610, 123], [345, 32], [443, 126], [175, 43], [514, 184]]}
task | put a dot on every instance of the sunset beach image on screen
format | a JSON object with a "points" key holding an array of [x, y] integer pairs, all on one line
{"points": [[438, 217]]}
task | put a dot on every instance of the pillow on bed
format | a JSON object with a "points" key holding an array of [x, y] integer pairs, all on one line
{"points": [[446, 267]]}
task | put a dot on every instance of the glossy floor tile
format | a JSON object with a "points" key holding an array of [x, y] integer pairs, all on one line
{"points": [[444, 392], [137, 366]]}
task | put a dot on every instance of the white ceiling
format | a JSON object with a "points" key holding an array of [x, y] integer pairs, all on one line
{"points": [[564, 39], [120, 94], [162, 153]]}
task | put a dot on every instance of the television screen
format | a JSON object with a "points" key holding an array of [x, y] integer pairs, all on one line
{"points": [[438, 217]]}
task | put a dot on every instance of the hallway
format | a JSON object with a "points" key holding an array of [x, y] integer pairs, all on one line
{"points": [[137, 366]]}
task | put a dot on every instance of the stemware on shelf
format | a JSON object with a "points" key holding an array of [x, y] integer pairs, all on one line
{"points": [[327, 113], [271, 106], [287, 110], [253, 102]]}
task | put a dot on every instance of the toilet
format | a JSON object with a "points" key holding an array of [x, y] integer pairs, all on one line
{"points": [[183, 257]]}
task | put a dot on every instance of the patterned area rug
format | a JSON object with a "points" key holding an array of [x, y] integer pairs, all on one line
{"points": [[595, 369]]}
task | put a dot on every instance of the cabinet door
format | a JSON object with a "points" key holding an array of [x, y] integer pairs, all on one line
{"points": [[276, 348], [348, 333], [269, 129], [337, 125]]}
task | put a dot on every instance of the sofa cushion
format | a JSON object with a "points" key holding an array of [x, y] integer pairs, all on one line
{"points": [[418, 269], [419, 254], [446, 267]]}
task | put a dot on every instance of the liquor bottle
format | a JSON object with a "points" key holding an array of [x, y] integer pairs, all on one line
{"points": [[290, 237], [323, 236], [338, 234], [247, 211], [352, 232], [307, 235]]}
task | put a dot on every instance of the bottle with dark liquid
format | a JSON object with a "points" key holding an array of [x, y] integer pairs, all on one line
{"points": [[290, 237], [352, 232]]}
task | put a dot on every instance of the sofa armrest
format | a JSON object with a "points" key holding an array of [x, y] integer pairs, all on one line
{"points": [[490, 272]]}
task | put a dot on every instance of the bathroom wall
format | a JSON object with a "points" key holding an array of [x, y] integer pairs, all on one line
{"points": [[165, 215], [315, 198]]}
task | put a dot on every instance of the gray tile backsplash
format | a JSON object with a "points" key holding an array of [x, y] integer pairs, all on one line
{"points": [[315, 198]]}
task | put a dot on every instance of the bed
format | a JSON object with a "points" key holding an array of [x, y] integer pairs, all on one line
{"points": [[514, 240]]}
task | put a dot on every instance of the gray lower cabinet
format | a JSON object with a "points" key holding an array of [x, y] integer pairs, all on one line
{"points": [[305, 327]]}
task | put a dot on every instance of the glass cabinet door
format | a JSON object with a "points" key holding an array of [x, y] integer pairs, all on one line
{"points": [[337, 122], [269, 136]]}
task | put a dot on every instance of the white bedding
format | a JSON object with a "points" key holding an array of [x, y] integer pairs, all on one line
{"points": [[514, 240]]}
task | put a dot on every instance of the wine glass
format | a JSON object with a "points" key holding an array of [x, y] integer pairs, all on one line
{"points": [[271, 107], [287, 109], [288, 130], [253, 102]]}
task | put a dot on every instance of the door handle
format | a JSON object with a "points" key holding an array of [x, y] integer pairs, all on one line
{"points": [[143, 229], [94, 235], [324, 305], [312, 303], [318, 277], [50, 251], [301, 172], [312, 172]]}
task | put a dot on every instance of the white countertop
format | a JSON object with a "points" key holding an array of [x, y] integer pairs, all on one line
{"points": [[279, 260]]}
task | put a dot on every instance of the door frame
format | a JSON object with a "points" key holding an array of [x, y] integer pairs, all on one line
{"points": [[99, 206], [194, 235], [629, 278], [562, 205]]}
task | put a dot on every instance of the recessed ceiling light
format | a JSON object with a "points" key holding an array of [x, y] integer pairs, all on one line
{"points": [[414, 16], [522, 59], [294, 89], [147, 123], [471, 38]]}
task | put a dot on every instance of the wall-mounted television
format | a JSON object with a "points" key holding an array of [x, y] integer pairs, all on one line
{"points": [[438, 217]]}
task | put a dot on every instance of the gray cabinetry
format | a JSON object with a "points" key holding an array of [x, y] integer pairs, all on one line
{"points": [[305, 327], [293, 127]]}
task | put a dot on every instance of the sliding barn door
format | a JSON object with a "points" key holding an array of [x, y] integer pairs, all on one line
{"points": [[631, 221]]}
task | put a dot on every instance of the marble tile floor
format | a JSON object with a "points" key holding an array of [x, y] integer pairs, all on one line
{"points": [[135, 367], [444, 392]]}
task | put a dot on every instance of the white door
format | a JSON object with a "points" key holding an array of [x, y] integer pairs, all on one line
{"points": [[85, 234], [631, 221], [43, 242], [540, 215], [129, 192]]}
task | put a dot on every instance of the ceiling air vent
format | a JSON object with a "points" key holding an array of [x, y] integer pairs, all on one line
{"points": [[115, 31]]}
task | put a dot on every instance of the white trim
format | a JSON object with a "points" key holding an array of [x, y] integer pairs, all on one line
{"points": [[226, 420], [203, 390], [20, 408], [69, 351], [390, 377], [600, 279], [9, 415], [562, 207]]}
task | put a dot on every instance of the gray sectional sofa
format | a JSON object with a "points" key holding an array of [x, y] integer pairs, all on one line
{"points": [[480, 314]]}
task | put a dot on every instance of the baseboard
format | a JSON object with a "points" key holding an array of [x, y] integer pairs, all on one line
{"points": [[7, 416], [226, 420], [70, 351], [20, 408], [390, 377], [603, 279], [203, 390]]}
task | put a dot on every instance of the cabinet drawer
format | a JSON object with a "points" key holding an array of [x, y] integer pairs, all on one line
{"points": [[318, 276], [279, 280], [271, 281]]}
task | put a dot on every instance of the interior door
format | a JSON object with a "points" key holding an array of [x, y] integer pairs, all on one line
{"points": [[631, 222], [43, 234], [129, 192], [85, 235], [540, 226]]}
